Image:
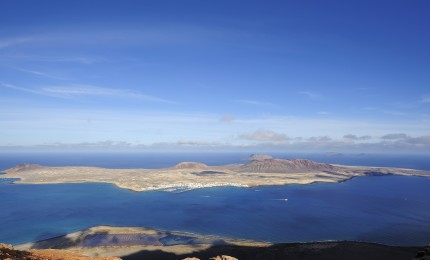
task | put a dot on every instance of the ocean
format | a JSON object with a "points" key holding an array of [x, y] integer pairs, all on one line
{"points": [[393, 210]]}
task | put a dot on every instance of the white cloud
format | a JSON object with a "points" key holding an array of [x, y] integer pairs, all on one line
{"points": [[357, 138], [84, 90], [262, 135], [420, 140], [30, 123], [267, 143], [416, 144], [395, 136], [187, 144], [320, 139]]}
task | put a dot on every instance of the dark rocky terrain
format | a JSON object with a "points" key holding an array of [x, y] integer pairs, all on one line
{"points": [[7, 252], [344, 250], [423, 254]]}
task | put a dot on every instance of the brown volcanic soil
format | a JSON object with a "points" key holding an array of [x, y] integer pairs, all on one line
{"points": [[286, 166], [23, 167], [7, 252], [190, 165]]}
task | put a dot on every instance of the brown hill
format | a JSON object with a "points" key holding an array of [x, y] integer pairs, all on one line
{"points": [[190, 165], [22, 167], [259, 157], [285, 166]]}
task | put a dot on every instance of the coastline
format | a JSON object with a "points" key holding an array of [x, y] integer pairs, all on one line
{"points": [[120, 241], [205, 178], [110, 242], [189, 178]]}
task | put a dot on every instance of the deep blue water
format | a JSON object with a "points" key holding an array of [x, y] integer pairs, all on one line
{"points": [[386, 209]]}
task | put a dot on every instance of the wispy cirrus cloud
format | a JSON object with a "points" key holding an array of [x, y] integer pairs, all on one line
{"points": [[310, 94], [254, 102], [425, 99], [167, 34], [386, 111], [77, 91], [14, 87], [12, 41], [51, 59], [38, 73]]}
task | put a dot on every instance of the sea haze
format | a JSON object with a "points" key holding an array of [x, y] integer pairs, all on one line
{"points": [[392, 210]]}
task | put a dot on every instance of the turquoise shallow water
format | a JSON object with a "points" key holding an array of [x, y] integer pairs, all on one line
{"points": [[386, 209]]}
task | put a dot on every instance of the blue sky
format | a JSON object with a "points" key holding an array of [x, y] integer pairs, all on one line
{"points": [[296, 76]]}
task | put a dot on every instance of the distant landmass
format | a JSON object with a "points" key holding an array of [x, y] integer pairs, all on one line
{"points": [[334, 154], [259, 170]]}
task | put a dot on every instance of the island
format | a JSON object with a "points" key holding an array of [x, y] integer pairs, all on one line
{"points": [[258, 171], [128, 243]]}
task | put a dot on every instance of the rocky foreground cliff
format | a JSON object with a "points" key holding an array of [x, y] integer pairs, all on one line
{"points": [[136, 243], [259, 170], [7, 252]]}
